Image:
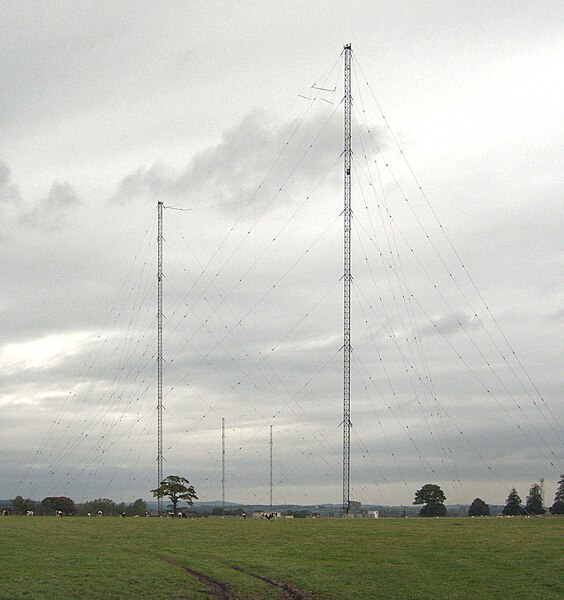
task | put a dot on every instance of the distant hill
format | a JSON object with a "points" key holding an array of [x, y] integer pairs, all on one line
{"points": [[203, 508]]}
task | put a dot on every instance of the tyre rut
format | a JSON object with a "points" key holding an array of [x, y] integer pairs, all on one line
{"points": [[219, 589], [289, 590]]}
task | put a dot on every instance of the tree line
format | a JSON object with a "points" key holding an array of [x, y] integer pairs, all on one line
{"points": [[66, 506], [433, 498]]}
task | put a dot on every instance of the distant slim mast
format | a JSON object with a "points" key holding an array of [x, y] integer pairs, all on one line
{"points": [[347, 287], [222, 461], [271, 466], [160, 352]]}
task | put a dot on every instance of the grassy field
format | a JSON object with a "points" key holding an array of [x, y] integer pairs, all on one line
{"points": [[111, 558]]}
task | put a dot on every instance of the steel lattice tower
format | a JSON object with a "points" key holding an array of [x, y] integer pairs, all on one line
{"points": [[271, 466], [160, 352], [223, 462], [347, 287]]}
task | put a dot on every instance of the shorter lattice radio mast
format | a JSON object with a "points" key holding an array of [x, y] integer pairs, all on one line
{"points": [[160, 353]]}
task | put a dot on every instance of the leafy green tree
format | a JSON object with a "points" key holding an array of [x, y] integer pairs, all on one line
{"points": [[558, 507], [52, 504], [513, 504], [139, 507], [176, 488], [478, 508], [107, 506], [20, 505], [534, 504], [298, 514], [433, 499]]}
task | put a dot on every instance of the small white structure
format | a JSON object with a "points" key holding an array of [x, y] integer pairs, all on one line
{"points": [[365, 514]]}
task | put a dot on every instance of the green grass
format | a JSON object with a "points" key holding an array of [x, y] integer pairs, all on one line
{"points": [[111, 558]]}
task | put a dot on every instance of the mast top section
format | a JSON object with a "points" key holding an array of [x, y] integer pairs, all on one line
{"points": [[347, 47]]}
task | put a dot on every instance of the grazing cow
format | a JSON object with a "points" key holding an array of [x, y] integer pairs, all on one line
{"points": [[270, 515], [5, 513], [100, 513], [122, 515], [88, 515], [59, 513], [29, 513], [146, 513]]}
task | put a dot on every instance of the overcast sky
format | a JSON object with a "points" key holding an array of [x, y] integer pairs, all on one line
{"points": [[107, 108]]}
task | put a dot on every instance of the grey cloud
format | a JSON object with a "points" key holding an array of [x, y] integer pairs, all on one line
{"points": [[448, 324], [233, 172], [9, 193], [10, 199], [51, 212], [48, 213], [557, 315]]}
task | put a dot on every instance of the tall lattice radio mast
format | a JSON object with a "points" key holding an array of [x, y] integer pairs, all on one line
{"points": [[347, 288]]}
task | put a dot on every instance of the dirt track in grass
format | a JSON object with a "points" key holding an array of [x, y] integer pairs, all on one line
{"points": [[289, 591], [219, 589]]}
